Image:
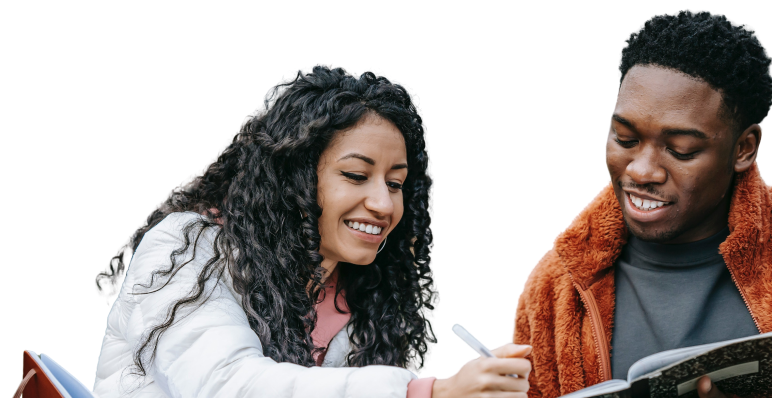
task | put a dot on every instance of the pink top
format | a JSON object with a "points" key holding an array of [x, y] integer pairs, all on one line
{"points": [[329, 321]]}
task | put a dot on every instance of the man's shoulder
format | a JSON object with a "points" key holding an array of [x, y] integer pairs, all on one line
{"points": [[549, 274], [589, 244]]}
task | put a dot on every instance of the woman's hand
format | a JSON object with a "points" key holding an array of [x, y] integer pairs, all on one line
{"points": [[487, 377]]}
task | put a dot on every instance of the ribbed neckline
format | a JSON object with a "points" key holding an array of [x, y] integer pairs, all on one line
{"points": [[680, 255]]}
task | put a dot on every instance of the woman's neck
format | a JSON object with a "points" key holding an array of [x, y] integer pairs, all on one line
{"points": [[329, 268]]}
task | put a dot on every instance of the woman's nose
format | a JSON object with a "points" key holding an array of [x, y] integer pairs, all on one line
{"points": [[379, 200]]}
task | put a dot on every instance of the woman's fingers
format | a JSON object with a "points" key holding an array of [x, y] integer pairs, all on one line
{"points": [[512, 351], [486, 377], [508, 384], [506, 366]]}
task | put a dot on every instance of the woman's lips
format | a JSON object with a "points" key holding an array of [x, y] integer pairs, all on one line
{"points": [[364, 235], [654, 214]]}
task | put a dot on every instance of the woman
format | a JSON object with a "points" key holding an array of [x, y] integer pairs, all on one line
{"points": [[306, 243]]}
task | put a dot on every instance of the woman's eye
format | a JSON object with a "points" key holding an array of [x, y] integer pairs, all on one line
{"points": [[355, 177], [395, 186], [360, 178]]}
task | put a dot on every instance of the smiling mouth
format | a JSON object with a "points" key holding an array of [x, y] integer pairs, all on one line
{"points": [[646, 204], [364, 227]]}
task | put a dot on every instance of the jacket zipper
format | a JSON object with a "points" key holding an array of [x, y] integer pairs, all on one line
{"points": [[601, 345], [745, 300]]}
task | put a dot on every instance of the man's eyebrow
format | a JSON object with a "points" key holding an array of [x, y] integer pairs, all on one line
{"points": [[370, 161], [668, 132]]}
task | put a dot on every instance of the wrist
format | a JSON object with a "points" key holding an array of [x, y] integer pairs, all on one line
{"points": [[440, 388]]}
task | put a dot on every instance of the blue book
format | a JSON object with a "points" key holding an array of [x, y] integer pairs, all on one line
{"points": [[35, 357], [67, 384]]}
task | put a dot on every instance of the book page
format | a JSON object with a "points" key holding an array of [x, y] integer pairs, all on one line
{"points": [[648, 365]]}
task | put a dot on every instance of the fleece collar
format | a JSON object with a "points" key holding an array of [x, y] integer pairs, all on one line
{"points": [[593, 242]]}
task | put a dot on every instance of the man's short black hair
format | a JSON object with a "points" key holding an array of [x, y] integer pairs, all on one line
{"points": [[708, 47]]}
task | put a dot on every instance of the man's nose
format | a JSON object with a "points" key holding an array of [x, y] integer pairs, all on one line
{"points": [[645, 168]]}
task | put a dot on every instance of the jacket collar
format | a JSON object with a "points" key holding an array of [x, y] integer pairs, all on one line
{"points": [[592, 243]]}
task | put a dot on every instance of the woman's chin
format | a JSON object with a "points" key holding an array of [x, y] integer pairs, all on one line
{"points": [[361, 258]]}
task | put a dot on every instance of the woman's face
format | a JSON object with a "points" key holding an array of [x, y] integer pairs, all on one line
{"points": [[360, 178]]}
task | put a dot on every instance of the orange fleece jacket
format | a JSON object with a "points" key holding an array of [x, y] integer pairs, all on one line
{"points": [[566, 311]]}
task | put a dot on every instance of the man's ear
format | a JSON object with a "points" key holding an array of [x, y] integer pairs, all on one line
{"points": [[746, 148]]}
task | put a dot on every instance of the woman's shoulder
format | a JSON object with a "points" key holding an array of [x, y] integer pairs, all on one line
{"points": [[174, 224], [176, 227], [178, 235]]}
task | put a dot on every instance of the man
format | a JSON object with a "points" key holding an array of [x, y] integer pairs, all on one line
{"points": [[677, 251]]}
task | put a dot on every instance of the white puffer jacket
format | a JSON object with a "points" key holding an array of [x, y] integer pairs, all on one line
{"points": [[213, 352]]}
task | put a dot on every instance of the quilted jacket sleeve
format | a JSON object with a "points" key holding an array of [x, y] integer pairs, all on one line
{"points": [[212, 351]]}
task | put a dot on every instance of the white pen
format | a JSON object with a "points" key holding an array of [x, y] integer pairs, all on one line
{"points": [[474, 343]]}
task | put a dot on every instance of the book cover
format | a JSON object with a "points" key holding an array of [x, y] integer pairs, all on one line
{"points": [[741, 367], [73, 386]]}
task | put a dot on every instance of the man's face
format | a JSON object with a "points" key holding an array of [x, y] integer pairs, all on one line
{"points": [[670, 156]]}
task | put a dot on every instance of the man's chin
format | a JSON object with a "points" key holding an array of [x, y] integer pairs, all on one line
{"points": [[653, 234]]}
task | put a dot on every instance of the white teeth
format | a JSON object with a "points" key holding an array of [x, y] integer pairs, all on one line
{"points": [[366, 228], [645, 204]]}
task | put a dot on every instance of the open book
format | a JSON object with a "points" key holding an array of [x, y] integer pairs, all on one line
{"points": [[64, 381], [742, 367]]}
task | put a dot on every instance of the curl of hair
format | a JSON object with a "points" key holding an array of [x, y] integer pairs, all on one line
{"points": [[708, 47], [262, 192]]}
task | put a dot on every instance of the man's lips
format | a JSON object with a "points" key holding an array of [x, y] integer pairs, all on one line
{"points": [[643, 195], [645, 216]]}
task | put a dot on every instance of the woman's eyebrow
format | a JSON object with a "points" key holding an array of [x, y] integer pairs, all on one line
{"points": [[370, 160]]}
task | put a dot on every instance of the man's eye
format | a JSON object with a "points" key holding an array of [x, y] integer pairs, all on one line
{"points": [[626, 144], [682, 156]]}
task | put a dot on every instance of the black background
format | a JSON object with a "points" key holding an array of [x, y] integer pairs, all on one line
{"points": [[106, 119]]}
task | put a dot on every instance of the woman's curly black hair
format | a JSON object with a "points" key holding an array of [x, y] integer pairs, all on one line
{"points": [[262, 193], [708, 47]]}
